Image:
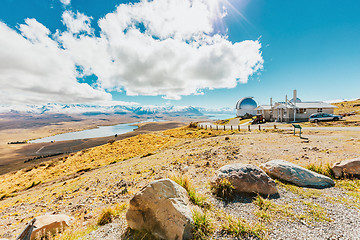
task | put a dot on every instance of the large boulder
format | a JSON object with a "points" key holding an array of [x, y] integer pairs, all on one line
{"points": [[347, 168], [246, 178], [163, 209], [49, 223], [295, 174]]}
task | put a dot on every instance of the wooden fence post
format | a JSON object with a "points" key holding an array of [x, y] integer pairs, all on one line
{"points": [[249, 128], [239, 128], [231, 127], [224, 127]]}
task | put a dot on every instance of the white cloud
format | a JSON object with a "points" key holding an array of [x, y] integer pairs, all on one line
{"points": [[77, 23], [164, 47], [33, 69], [161, 47], [65, 2]]}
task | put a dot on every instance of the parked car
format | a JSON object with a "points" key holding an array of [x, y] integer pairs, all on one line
{"points": [[317, 117]]}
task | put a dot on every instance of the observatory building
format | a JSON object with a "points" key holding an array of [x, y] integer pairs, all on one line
{"points": [[293, 110], [246, 106]]}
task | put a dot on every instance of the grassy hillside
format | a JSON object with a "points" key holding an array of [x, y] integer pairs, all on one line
{"points": [[348, 107], [83, 161], [104, 178]]}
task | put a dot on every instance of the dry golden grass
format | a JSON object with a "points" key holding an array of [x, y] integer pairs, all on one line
{"points": [[83, 161], [347, 107], [186, 132]]}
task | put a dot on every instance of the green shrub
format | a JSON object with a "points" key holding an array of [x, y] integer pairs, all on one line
{"points": [[106, 217], [223, 189], [263, 204], [240, 228], [203, 226], [321, 169], [109, 214], [194, 196]]}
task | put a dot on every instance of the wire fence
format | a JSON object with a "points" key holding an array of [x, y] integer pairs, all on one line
{"points": [[230, 127]]}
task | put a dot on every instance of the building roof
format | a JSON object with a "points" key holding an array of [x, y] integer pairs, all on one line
{"points": [[314, 105], [263, 107], [283, 105], [305, 105]]}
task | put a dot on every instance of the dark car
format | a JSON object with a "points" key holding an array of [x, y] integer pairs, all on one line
{"points": [[317, 117]]}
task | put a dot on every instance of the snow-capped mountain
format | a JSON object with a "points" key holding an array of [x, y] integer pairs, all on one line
{"points": [[134, 110], [85, 109]]}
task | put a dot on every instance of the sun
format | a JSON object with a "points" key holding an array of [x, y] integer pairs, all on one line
{"points": [[219, 10]]}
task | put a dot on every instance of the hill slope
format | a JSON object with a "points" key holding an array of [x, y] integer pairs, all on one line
{"points": [[298, 213]]}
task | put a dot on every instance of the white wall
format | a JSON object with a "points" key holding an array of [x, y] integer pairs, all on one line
{"points": [[242, 112], [306, 115]]}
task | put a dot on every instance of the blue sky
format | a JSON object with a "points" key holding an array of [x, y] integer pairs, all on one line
{"points": [[311, 46]]}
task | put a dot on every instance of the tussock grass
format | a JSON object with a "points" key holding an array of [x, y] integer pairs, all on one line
{"points": [[349, 184], [353, 188], [321, 169], [84, 161], [303, 192], [203, 226], [262, 203], [195, 197], [315, 212], [269, 210], [76, 232], [106, 217], [108, 214], [240, 228], [223, 189]]}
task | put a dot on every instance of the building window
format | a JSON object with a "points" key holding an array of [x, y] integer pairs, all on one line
{"points": [[319, 110], [301, 110]]}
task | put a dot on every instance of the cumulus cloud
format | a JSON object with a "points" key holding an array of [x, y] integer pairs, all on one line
{"points": [[65, 2], [160, 47], [77, 23], [165, 47], [33, 69]]}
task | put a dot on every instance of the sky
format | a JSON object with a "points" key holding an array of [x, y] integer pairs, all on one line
{"points": [[206, 53]]}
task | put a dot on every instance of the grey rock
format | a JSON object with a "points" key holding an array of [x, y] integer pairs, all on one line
{"points": [[247, 178], [347, 168], [163, 209], [295, 174]]}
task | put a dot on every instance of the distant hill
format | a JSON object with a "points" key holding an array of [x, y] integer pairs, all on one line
{"points": [[346, 107]]}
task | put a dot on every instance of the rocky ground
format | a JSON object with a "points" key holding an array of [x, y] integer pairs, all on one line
{"points": [[299, 213]]}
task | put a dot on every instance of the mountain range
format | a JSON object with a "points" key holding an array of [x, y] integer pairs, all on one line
{"points": [[86, 109]]}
